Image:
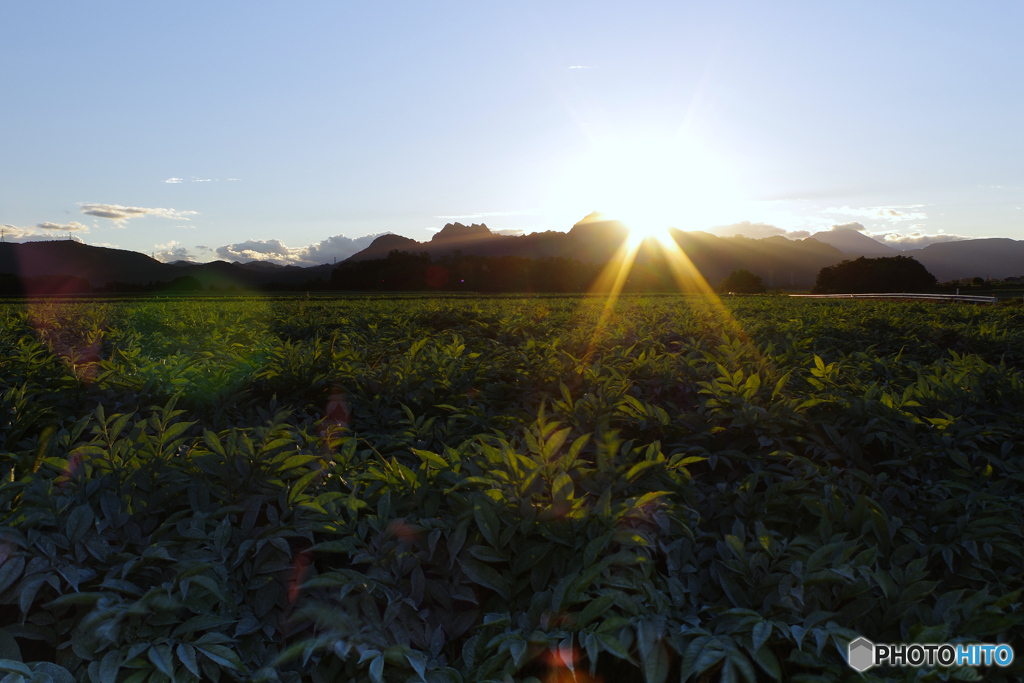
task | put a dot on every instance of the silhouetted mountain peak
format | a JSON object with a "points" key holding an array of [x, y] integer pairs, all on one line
{"points": [[392, 242], [592, 217], [596, 225], [458, 231], [854, 242]]}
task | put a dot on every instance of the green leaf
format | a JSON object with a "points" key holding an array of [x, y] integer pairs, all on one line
{"points": [[552, 445], [562, 488], [176, 430], [431, 459], [761, 633], [160, 656], [10, 571], [16, 667], [301, 485], [766, 659], [79, 521], [297, 461], [187, 656], [487, 521], [484, 575], [657, 664], [110, 665], [223, 656], [9, 648], [56, 673], [594, 609], [377, 669]]}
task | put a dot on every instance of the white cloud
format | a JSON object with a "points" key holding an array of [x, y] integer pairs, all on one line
{"points": [[580, 66], [176, 180], [755, 231], [14, 232], [854, 225], [172, 251], [917, 240], [119, 214], [892, 214], [333, 248], [46, 231], [73, 226]]}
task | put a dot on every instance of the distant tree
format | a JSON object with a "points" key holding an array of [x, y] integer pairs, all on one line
{"points": [[742, 282], [886, 274], [185, 283], [977, 281]]}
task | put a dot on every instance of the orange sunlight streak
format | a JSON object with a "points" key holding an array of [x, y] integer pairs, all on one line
{"points": [[614, 273], [686, 275]]}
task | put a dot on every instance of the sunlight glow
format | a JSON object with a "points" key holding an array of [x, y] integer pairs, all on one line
{"points": [[649, 182], [655, 185]]}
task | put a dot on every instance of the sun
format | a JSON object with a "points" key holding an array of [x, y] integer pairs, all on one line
{"points": [[648, 182], [640, 232]]}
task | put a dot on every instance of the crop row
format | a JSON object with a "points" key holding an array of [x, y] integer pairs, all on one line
{"points": [[489, 489]]}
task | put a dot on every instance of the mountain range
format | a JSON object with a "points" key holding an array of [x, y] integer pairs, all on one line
{"points": [[780, 261]]}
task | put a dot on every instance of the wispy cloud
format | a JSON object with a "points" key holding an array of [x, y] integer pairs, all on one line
{"points": [[73, 226], [756, 231], [482, 214], [177, 181], [581, 66], [337, 247], [119, 214], [892, 214]]}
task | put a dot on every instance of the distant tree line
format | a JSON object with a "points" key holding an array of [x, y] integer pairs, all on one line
{"points": [[879, 275], [407, 272], [70, 285]]}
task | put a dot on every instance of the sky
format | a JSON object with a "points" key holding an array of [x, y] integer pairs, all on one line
{"points": [[297, 131]]}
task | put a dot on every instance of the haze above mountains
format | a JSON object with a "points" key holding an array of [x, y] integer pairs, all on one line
{"points": [[780, 261]]}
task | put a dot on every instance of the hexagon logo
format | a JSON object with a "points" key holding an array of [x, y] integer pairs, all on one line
{"points": [[860, 654]]}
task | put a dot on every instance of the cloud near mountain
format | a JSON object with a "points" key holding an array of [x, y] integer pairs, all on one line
{"points": [[176, 251], [916, 240], [18, 233], [337, 247], [892, 214], [756, 231]]}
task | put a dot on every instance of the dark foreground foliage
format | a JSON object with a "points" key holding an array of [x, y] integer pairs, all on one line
{"points": [[495, 489], [885, 274]]}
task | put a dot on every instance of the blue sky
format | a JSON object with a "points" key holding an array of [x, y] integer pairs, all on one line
{"points": [[285, 131]]}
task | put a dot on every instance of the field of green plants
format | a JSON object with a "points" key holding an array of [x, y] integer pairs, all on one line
{"points": [[513, 489]]}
